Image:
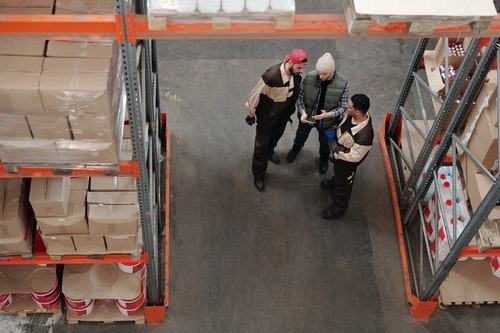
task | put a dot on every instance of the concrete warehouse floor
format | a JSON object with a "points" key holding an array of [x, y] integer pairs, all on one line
{"points": [[248, 262]]}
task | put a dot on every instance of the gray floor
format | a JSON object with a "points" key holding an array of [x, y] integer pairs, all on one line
{"points": [[244, 261]]}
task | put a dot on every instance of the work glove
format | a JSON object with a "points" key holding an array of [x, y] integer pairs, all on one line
{"points": [[250, 120]]}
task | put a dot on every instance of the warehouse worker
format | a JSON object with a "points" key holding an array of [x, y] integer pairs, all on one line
{"points": [[354, 139], [272, 102], [322, 101]]}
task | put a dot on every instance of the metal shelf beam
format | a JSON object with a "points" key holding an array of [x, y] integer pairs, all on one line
{"points": [[305, 26]]}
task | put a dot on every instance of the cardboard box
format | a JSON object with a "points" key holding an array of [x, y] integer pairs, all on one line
{"points": [[75, 222], [126, 153], [49, 127], [77, 86], [113, 184], [19, 82], [49, 196], [113, 213], [85, 7], [25, 47], [12, 126], [20, 245], [483, 141], [13, 217], [89, 244], [478, 185], [79, 183], [86, 152], [27, 3], [22, 151], [59, 244], [94, 128], [123, 243], [81, 49]]}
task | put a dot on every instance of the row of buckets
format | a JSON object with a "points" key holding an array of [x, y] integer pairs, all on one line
{"points": [[82, 307]]}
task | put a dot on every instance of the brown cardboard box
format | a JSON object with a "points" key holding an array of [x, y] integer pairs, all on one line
{"points": [[126, 153], [59, 244], [74, 223], [20, 245], [113, 213], [22, 151], [27, 3], [478, 185], [81, 49], [483, 141], [89, 244], [50, 127], [81, 86], [84, 7], [19, 81], [113, 184], [94, 128], [25, 47], [12, 126], [123, 243], [86, 152], [79, 183], [13, 218], [49, 196]]}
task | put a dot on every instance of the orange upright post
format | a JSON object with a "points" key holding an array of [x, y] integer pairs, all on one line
{"points": [[420, 310]]}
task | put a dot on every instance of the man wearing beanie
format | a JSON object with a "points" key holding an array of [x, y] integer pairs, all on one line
{"points": [[272, 102], [322, 101]]}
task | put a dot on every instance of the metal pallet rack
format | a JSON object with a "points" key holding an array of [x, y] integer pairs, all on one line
{"points": [[129, 26], [440, 146], [149, 142]]}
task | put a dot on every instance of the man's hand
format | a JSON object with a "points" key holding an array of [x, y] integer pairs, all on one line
{"points": [[323, 115], [250, 120], [303, 118]]}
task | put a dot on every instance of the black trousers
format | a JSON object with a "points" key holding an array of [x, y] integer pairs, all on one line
{"points": [[269, 131], [303, 133], [344, 173]]}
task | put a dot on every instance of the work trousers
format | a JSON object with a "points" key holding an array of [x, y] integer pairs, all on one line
{"points": [[344, 173], [303, 133], [269, 130]]}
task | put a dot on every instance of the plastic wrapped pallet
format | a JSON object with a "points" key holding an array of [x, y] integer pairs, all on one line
{"points": [[221, 12]]}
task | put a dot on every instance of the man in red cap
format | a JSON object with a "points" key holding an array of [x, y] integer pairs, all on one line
{"points": [[272, 102]]}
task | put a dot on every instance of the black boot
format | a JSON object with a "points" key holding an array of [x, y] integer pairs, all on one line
{"points": [[292, 154]]}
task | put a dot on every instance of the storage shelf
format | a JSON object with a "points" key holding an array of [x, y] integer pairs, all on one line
{"points": [[305, 26]]}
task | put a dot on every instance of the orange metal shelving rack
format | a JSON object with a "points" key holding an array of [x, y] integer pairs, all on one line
{"points": [[133, 27]]}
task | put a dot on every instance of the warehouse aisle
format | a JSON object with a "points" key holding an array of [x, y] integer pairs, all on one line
{"points": [[244, 261]]}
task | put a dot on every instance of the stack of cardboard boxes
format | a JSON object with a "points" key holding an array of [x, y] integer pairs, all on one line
{"points": [[63, 101], [75, 217], [64, 105]]}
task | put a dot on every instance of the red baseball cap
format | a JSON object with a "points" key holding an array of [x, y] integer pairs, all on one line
{"points": [[297, 56]]}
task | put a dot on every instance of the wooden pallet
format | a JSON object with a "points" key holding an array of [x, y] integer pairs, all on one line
{"points": [[417, 23], [222, 20], [22, 306], [107, 313], [64, 169], [60, 257], [488, 235], [470, 282]]}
